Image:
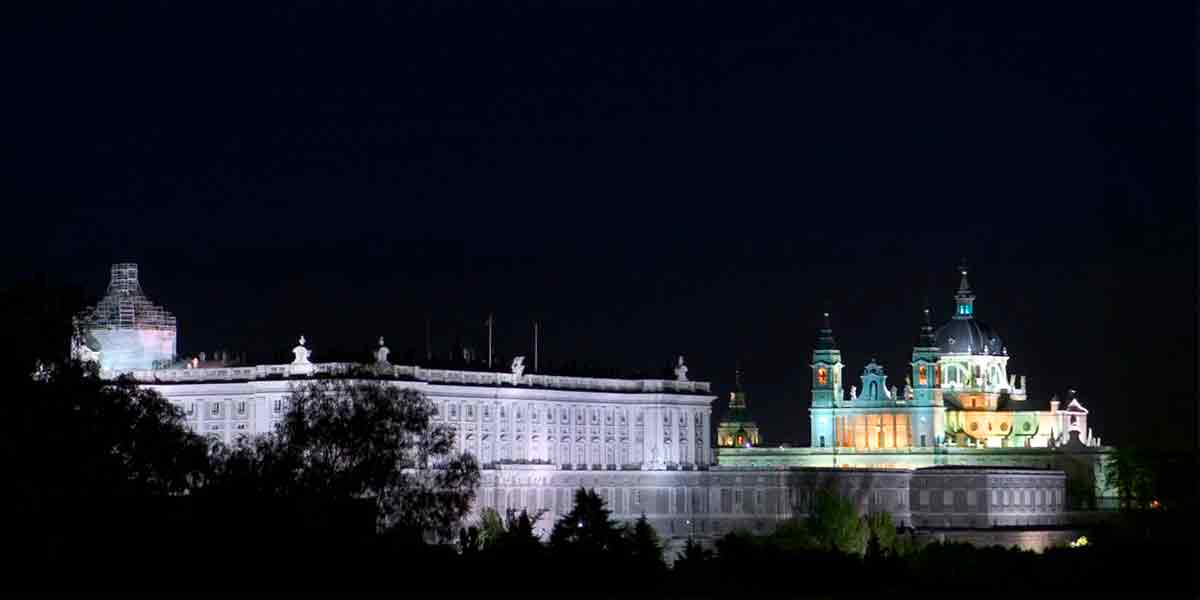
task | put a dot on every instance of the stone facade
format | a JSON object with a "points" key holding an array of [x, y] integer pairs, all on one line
{"points": [[573, 422], [646, 446], [539, 438]]}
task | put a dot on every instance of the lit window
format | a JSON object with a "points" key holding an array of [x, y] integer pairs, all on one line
{"points": [[921, 375], [822, 376], [937, 375]]}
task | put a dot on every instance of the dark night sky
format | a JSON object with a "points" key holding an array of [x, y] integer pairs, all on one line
{"points": [[692, 179]]}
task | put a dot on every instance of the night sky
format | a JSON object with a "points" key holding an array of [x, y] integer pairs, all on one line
{"points": [[699, 179]]}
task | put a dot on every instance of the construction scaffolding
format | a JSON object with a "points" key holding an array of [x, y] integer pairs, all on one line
{"points": [[125, 328], [125, 306]]}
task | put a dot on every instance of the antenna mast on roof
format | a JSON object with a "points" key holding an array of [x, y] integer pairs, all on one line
{"points": [[428, 343], [491, 323]]}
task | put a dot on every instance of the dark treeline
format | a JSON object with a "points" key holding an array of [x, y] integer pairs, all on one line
{"points": [[107, 489]]}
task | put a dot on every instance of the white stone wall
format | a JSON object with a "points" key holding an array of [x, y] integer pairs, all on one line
{"points": [[601, 425], [980, 498], [704, 504]]}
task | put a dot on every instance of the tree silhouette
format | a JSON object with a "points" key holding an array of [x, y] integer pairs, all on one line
{"points": [[644, 547], [882, 532], [83, 455], [345, 439], [834, 523], [693, 557], [587, 528]]}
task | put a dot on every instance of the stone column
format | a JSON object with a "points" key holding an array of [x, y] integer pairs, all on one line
{"points": [[706, 448], [654, 438]]}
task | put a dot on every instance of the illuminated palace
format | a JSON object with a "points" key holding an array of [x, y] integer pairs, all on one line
{"points": [[950, 453]]}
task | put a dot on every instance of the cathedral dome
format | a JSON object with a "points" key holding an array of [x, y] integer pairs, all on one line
{"points": [[963, 336]]}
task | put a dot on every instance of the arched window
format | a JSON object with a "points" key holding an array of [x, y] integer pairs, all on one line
{"points": [[953, 376], [937, 375], [874, 391], [822, 376], [921, 376]]}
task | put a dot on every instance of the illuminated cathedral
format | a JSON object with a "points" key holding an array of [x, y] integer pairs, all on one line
{"points": [[958, 392]]}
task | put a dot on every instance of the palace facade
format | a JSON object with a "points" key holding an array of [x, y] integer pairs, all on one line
{"points": [[951, 452]]}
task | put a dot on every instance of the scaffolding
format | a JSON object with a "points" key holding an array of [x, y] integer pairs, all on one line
{"points": [[126, 331], [125, 305]]}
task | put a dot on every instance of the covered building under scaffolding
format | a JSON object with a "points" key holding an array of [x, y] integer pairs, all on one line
{"points": [[125, 330]]}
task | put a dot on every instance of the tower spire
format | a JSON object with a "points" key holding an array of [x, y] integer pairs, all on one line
{"points": [[825, 341], [927, 339], [964, 299]]}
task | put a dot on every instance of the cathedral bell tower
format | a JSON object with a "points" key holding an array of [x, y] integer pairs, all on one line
{"points": [[926, 385], [827, 390]]}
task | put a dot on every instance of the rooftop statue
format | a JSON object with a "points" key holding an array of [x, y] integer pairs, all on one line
{"points": [[301, 354], [381, 354], [518, 367], [681, 371]]}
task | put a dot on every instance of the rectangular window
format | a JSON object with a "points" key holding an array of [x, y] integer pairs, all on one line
{"points": [[215, 408], [241, 407], [191, 409], [947, 498]]}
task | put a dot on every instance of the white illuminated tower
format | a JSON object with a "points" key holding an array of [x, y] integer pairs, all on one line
{"points": [[928, 411], [827, 390]]}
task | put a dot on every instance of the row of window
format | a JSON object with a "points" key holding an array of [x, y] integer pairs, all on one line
{"points": [[451, 411], [662, 501], [584, 455], [216, 408], [1038, 497]]}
